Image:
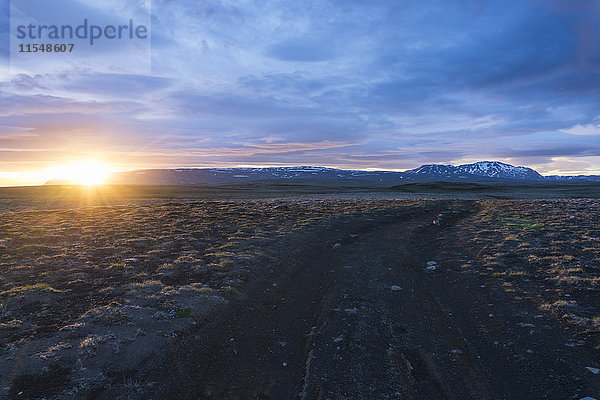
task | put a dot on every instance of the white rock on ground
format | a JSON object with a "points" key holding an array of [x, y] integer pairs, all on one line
{"points": [[523, 325], [431, 266]]}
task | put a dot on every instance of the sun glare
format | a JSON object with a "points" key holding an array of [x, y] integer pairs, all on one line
{"points": [[82, 173]]}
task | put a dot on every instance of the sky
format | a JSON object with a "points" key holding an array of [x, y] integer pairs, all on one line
{"points": [[350, 84]]}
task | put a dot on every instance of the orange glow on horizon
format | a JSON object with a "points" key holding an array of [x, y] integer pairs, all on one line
{"points": [[85, 173]]}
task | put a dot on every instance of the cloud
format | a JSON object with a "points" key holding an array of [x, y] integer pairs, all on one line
{"points": [[373, 84], [303, 50], [584, 130]]}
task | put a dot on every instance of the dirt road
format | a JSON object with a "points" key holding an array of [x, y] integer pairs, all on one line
{"points": [[349, 310]]}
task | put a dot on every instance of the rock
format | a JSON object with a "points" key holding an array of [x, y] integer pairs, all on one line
{"points": [[522, 325], [431, 266], [336, 246], [593, 370], [395, 288]]}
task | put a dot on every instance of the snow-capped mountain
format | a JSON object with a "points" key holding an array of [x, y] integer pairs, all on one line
{"points": [[434, 169], [496, 169], [483, 171]]}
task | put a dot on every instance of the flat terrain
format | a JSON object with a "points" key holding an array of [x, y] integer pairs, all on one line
{"points": [[154, 293]]}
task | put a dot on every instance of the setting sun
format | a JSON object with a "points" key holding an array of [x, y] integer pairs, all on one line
{"points": [[82, 173]]}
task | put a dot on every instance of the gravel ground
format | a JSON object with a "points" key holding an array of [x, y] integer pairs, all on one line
{"points": [[311, 297]]}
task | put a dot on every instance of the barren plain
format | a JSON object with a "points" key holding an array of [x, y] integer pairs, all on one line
{"points": [[296, 293]]}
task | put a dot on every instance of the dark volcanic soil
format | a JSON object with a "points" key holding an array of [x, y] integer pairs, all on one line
{"points": [[301, 299], [350, 311]]}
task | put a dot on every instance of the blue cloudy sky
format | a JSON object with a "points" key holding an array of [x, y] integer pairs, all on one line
{"points": [[351, 84]]}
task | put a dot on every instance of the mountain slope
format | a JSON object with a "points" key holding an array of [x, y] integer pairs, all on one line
{"points": [[485, 169], [236, 175], [482, 171]]}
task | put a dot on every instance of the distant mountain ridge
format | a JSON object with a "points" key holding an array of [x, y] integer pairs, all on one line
{"points": [[482, 171], [486, 169]]}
